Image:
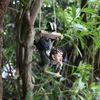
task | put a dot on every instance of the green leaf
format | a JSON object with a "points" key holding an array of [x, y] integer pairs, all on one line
{"points": [[37, 98], [95, 2], [81, 67], [25, 3], [7, 51], [89, 10], [62, 79], [77, 49], [79, 27], [81, 84], [55, 93], [73, 69], [82, 42], [81, 97], [73, 11], [46, 1], [93, 84], [97, 42], [28, 95]]}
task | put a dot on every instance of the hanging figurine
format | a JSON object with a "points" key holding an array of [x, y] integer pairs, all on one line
{"points": [[48, 54]]}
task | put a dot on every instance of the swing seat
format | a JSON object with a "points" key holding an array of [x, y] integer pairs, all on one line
{"points": [[50, 35]]}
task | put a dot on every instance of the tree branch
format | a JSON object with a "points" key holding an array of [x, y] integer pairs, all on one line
{"points": [[36, 5]]}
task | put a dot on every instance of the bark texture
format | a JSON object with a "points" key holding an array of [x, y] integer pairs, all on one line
{"points": [[25, 39], [3, 7]]}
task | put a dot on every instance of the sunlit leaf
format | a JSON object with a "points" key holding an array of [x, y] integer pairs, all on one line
{"points": [[62, 79], [81, 84], [81, 67], [93, 84], [94, 2], [97, 42], [79, 27], [81, 97], [77, 12]]}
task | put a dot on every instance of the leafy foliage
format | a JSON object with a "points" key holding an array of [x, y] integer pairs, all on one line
{"points": [[80, 42]]}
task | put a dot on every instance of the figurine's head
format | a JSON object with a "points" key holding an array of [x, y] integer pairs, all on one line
{"points": [[51, 26], [56, 55]]}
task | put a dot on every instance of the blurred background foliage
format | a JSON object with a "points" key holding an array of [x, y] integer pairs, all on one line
{"points": [[80, 43]]}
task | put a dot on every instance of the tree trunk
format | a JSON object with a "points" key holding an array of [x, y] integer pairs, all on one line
{"points": [[0, 63], [25, 39], [3, 7]]}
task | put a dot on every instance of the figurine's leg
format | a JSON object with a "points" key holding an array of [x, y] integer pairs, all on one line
{"points": [[45, 61]]}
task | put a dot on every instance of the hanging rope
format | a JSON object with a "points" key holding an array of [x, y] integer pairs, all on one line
{"points": [[54, 2], [54, 11], [40, 19]]}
